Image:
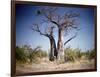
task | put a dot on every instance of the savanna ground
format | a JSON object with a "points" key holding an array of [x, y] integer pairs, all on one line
{"points": [[36, 60], [46, 65]]}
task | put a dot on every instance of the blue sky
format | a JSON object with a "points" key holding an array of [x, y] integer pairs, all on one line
{"points": [[26, 15]]}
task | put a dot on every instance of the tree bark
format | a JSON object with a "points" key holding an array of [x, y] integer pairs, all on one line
{"points": [[53, 50], [60, 46]]}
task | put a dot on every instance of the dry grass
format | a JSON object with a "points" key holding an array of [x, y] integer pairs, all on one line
{"points": [[46, 65]]}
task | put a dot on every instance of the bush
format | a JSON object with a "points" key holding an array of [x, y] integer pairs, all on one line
{"points": [[91, 54], [40, 53], [70, 55], [76, 54], [21, 55], [27, 54]]}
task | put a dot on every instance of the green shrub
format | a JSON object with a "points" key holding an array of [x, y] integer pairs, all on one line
{"points": [[21, 56], [27, 54], [92, 54], [70, 54], [40, 53], [77, 54]]}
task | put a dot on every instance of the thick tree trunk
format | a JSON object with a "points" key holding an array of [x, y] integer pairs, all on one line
{"points": [[51, 54], [60, 47], [53, 49]]}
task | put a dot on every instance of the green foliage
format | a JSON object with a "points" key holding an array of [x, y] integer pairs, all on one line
{"points": [[40, 53], [27, 54], [35, 55], [91, 54], [21, 56], [76, 54], [70, 55]]}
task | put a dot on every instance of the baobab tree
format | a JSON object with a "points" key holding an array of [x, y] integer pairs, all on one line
{"points": [[64, 22], [49, 34]]}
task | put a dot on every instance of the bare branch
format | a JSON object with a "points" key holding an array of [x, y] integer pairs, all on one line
{"points": [[48, 31], [51, 20], [37, 29], [37, 48], [55, 23], [69, 20], [71, 14], [70, 39], [51, 16]]}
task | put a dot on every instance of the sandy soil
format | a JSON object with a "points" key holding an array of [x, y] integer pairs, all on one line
{"points": [[46, 65]]}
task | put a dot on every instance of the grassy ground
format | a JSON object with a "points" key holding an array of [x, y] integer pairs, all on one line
{"points": [[46, 65]]}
